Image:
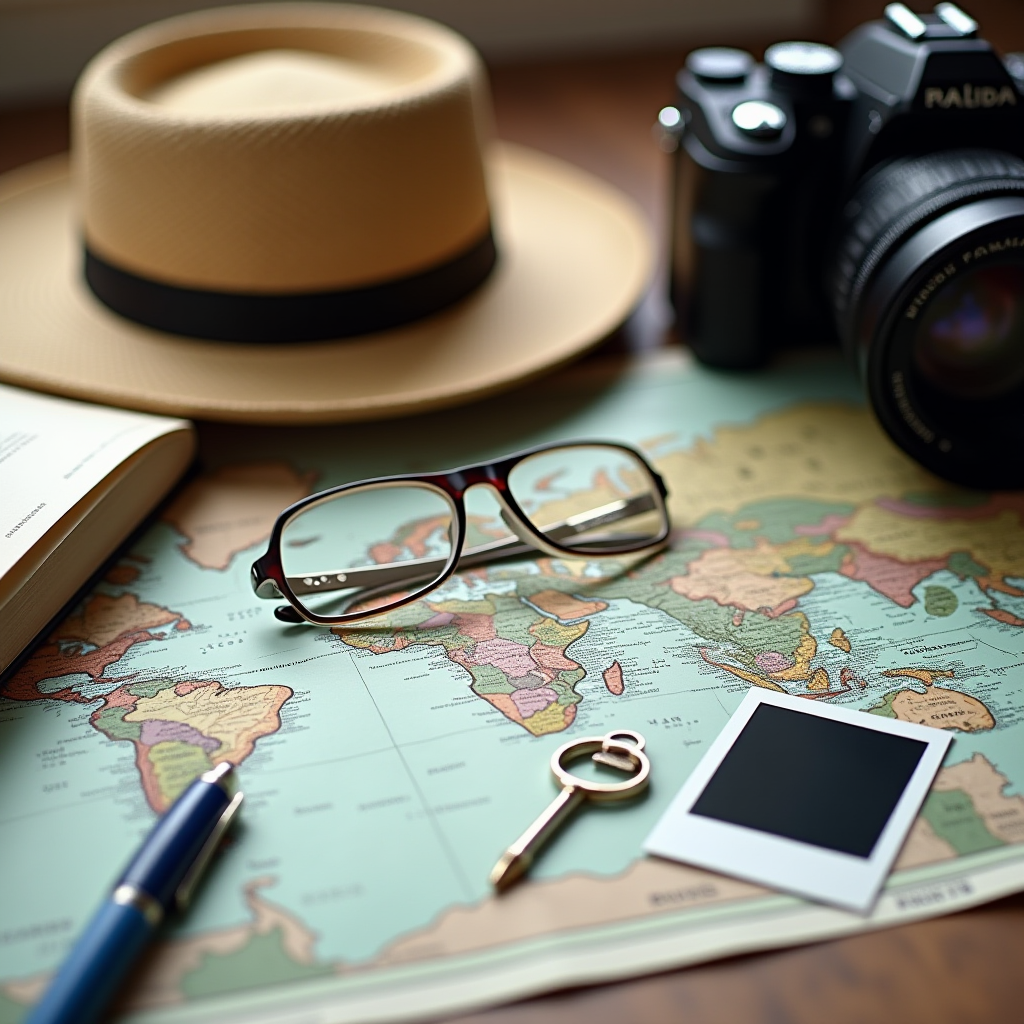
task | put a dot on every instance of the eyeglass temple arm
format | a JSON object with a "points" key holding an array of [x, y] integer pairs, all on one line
{"points": [[414, 569]]}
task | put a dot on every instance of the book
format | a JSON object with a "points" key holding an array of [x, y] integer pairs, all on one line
{"points": [[75, 481]]}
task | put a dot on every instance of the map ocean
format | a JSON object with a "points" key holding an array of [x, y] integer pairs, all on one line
{"points": [[386, 769]]}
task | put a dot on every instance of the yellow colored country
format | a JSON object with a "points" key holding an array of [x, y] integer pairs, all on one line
{"points": [[997, 542], [802, 658], [839, 639], [819, 681], [828, 452], [551, 719], [943, 709], [923, 675], [547, 631], [236, 716]]}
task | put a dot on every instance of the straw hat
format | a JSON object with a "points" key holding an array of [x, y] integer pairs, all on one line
{"points": [[292, 213]]}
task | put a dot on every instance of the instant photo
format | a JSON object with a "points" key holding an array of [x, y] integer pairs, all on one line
{"points": [[804, 797]]}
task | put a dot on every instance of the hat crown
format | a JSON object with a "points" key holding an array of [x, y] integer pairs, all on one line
{"points": [[276, 82], [282, 149]]}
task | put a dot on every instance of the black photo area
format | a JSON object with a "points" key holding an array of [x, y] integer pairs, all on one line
{"points": [[812, 779]]}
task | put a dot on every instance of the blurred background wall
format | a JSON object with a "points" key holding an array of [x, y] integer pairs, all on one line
{"points": [[45, 43]]}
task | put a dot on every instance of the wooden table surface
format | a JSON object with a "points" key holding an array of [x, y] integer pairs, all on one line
{"points": [[597, 112]]}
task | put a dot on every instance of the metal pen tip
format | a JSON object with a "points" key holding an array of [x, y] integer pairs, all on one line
{"points": [[218, 772]]}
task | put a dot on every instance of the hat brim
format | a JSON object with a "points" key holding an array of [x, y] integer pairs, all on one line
{"points": [[575, 256]]}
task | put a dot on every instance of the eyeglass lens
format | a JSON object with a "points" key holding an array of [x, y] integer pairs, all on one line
{"points": [[366, 548], [594, 499]]}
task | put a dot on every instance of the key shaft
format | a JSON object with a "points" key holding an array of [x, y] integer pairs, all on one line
{"points": [[621, 749]]}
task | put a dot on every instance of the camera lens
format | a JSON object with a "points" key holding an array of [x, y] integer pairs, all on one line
{"points": [[970, 342], [927, 285]]}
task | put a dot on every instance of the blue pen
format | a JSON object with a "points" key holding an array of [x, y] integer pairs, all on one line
{"points": [[160, 877]]}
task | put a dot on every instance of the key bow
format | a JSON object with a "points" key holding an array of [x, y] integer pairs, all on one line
{"points": [[624, 755]]}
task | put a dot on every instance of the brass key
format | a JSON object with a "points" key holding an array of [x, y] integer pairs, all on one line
{"points": [[626, 755]]}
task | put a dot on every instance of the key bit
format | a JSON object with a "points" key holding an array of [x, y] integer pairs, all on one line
{"points": [[516, 860], [506, 871]]}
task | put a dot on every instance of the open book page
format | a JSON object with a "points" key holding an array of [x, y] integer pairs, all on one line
{"points": [[53, 452]]}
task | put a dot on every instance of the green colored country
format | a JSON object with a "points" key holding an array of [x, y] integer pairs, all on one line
{"points": [[176, 765], [488, 679], [961, 563], [939, 601], [566, 694], [151, 687], [262, 961], [775, 520], [952, 817], [110, 721], [448, 636], [571, 678], [754, 634], [885, 707], [812, 565], [758, 634]]}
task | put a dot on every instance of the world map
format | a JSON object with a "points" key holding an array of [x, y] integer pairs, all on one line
{"points": [[386, 766]]}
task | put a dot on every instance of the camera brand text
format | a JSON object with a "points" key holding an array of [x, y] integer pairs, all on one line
{"points": [[970, 97], [930, 285], [980, 251]]}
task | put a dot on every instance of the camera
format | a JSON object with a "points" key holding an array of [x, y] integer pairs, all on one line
{"points": [[872, 193]]}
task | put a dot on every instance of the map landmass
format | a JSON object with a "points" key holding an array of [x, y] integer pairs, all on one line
{"points": [[809, 557], [613, 679], [648, 887], [229, 510], [515, 655], [179, 728]]}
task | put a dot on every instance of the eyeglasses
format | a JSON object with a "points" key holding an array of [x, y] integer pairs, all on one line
{"points": [[359, 550]]}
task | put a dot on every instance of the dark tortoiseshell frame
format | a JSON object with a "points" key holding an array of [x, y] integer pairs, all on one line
{"points": [[269, 579]]}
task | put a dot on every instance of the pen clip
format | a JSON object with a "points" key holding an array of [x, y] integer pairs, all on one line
{"points": [[183, 894]]}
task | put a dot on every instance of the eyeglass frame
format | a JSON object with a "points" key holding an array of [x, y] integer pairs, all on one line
{"points": [[269, 580]]}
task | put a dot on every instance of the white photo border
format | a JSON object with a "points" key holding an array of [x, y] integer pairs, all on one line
{"points": [[827, 876]]}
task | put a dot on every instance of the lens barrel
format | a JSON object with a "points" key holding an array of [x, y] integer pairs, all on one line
{"points": [[927, 285]]}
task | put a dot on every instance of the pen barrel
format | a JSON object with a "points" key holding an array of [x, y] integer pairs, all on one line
{"points": [[174, 851], [171, 848], [104, 953]]}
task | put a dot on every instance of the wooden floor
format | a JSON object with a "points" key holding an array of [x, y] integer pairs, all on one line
{"points": [[963, 969]]}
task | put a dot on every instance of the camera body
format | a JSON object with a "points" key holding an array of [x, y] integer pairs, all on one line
{"points": [[800, 183]]}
